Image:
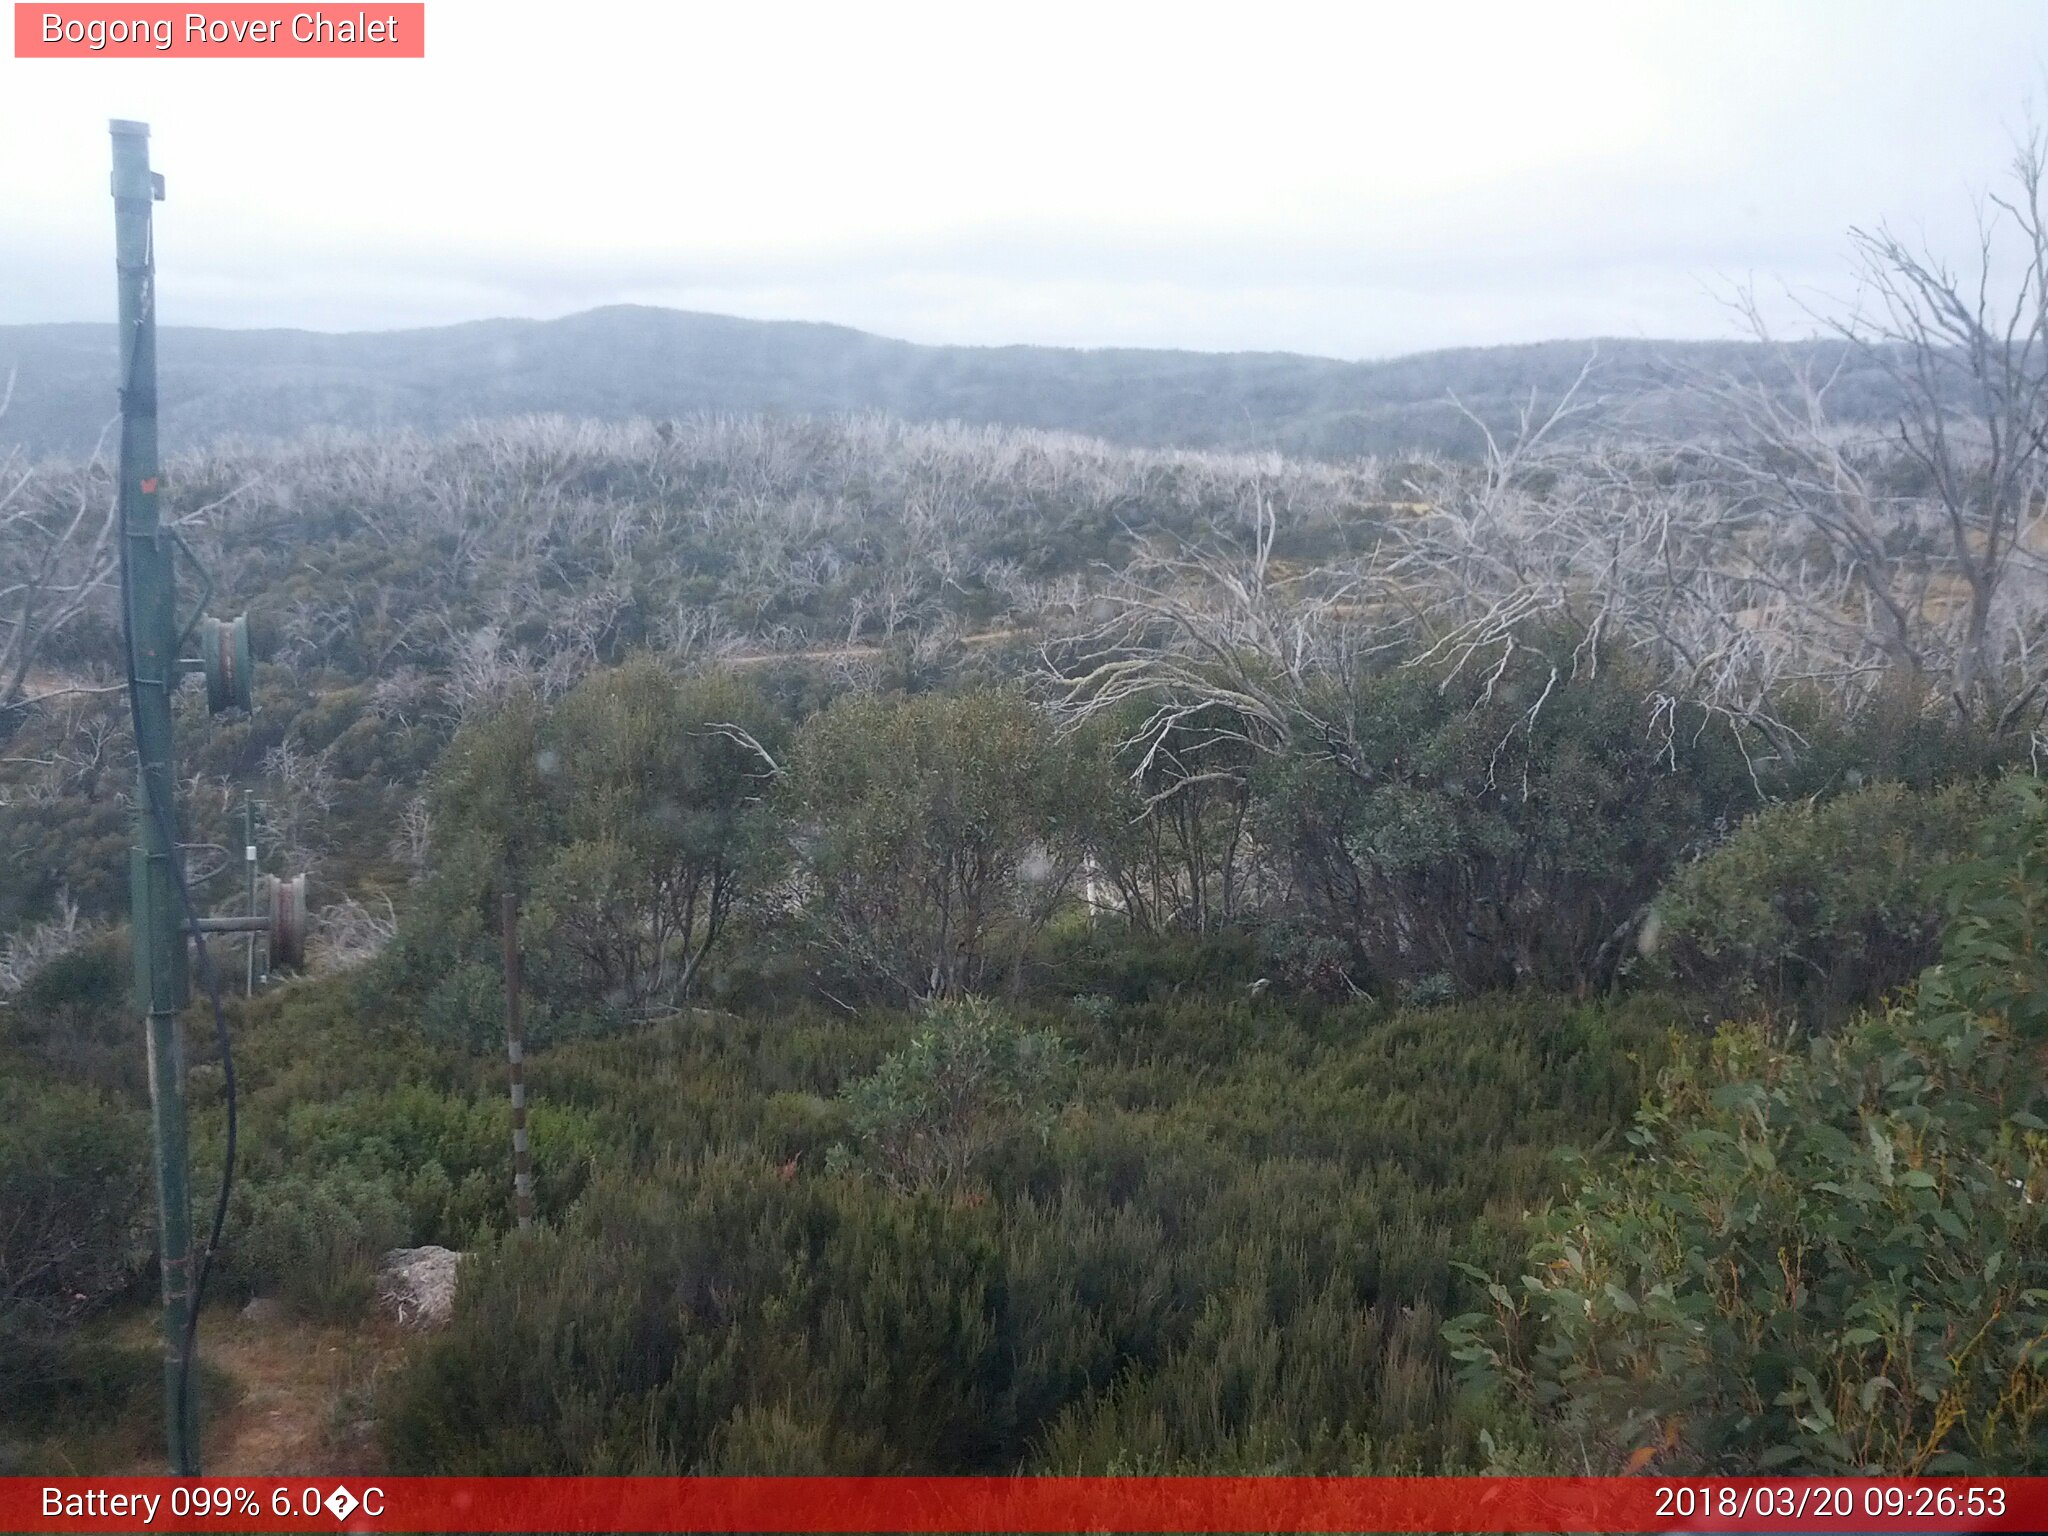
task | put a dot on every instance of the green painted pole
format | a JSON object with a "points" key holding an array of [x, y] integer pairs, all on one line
{"points": [[161, 981], [249, 865]]}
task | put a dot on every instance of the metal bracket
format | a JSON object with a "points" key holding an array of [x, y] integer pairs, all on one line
{"points": [[205, 585]]}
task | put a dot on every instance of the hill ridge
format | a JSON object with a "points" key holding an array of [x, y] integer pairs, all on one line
{"points": [[624, 361]]}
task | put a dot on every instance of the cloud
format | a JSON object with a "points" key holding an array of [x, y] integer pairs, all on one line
{"points": [[1354, 181]]}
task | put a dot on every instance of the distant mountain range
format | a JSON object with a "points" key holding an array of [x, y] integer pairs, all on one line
{"points": [[632, 362]]}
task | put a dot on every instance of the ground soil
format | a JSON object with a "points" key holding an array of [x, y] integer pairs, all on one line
{"points": [[302, 1395]]}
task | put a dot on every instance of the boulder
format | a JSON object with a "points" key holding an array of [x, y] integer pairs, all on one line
{"points": [[264, 1311], [416, 1286]]}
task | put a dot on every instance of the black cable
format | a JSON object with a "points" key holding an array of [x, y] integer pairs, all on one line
{"points": [[166, 827]]}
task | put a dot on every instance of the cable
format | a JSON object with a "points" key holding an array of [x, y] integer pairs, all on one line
{"points": [[166, 827]]}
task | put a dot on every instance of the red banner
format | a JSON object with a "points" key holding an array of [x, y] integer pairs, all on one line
{"points": [[229, 31], [1022, 1504]]}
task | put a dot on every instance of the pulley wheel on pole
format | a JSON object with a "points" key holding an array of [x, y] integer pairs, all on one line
{"points": [[286, 906], [224, 649]]}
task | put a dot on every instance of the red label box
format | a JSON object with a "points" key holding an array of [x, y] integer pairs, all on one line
{"points": [[231, 31]]}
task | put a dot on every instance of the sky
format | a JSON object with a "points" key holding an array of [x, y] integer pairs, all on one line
{"points": [[1355, 180]]}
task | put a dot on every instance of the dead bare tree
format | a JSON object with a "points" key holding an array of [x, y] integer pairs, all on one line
{"points": [[350, 933], [1225, 647], [299, 796], [57, 540], [27, 951], [1927, 539], [1211, 639]]}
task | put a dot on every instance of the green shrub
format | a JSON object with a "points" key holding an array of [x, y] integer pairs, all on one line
{"points": [[94, 976], [1169, 840], [314, 1239], [657, 1328], [939, 836], [1817, 909], [970, 1079], [629, 818], [1108, 958], [1498, 827], [465, 1006], [1900, 734], [75, 1020], [447, 1158], [1320, 1389], [328, 1181], [1429, 991], [1994, 949], [75, 1208], [1306, 959], [1825, 1261], [47, 1380]]}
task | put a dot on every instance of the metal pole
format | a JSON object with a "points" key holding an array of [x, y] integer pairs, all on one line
{"points": [[160, 962], [515, 1048], [266, 955], [249, 864]]}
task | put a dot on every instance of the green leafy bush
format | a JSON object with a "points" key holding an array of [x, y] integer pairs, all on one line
{"points": [[327, 1186], [970, 1079], [1823, 1261], [630, 818], [357, 1136], [1817, 909], [75, 1210], [938, 836], [1104, 956], [447, 1158], [74, 1019], [1170, 842], [314, 1239], [48, 1382], [1994, 952], [1899, 734], [681, 1307], [1495, 827]]}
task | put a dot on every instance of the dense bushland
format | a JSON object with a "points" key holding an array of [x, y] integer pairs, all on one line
{"points": [[1485, 831], [1048, 957], [685, 836], [401, 585], [934, 1081], [1228, 1241], [1824, 1258], [1077, 1234]]}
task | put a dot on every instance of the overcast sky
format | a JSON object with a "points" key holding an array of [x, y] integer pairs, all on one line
{"points": [[1355, 180]]}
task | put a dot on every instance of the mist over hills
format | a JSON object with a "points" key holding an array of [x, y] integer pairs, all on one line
{"points": [[625, 362]]}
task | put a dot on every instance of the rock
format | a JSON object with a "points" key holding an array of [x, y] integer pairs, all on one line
{"points": [[416, 1286], [264, 1311]]}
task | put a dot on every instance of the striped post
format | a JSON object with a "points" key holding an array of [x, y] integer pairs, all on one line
{"points": [[515, 1048]]}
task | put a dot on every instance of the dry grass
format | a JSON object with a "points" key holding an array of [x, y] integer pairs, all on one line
{"points": [[303, 1400]]}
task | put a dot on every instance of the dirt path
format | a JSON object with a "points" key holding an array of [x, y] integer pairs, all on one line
{"points": [[859, 651], [304, 1394], [307, 1395]]}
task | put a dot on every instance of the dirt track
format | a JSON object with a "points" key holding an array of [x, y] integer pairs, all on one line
{"points": [[305, 1393]]}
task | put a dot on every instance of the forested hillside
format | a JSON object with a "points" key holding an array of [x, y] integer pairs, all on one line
{"points": [[621, 363]]}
